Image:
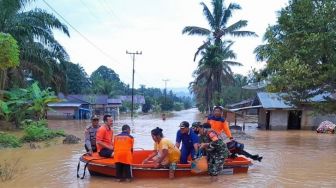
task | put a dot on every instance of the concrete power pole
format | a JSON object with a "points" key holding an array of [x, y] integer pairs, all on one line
{"points": [[133, 54], [165, 91]]}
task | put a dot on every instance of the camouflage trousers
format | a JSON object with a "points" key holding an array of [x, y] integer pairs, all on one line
{"points": [[216, 162]]}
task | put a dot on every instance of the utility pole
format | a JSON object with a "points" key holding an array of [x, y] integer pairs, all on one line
{"points": [[133, 54], [165, 92]]}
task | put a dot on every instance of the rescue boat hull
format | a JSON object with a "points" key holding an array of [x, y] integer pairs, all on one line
{"points": [[105, 166]]}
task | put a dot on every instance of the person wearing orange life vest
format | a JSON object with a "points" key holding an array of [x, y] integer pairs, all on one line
{"points": [[123, 154], [218, 123]]}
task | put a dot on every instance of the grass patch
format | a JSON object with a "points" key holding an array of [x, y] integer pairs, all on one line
{"points": [[38, 131], [9, 141]]}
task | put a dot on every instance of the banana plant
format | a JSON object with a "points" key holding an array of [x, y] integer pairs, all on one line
{"points": [[4, 111], [39, 100], [31, 103]]}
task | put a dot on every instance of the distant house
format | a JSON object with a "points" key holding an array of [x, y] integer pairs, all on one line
{"points": [[244, 103], [98, 103], [84, 106], [113, 106], [137, 99], [69, 110], [274, 113]]}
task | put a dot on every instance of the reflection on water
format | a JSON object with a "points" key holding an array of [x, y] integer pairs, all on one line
{"points": [[291, 158]]}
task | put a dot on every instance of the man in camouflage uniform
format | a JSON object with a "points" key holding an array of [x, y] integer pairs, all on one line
{"points": [[216, 149]]}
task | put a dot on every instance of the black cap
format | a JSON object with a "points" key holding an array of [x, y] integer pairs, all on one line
{"points": [[184, 124], [205, 126], [95, 117], [196, 124]]}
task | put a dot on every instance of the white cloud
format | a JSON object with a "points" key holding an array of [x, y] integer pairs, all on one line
{"points": [[153, 27]]}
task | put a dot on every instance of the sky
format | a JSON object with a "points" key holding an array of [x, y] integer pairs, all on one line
{"points": [[105, 29]]}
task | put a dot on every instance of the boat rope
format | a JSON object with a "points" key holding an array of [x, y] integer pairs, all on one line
{"points": [[85, 166]]}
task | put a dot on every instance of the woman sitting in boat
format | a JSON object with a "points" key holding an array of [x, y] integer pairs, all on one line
{"points": [[165, 153]]}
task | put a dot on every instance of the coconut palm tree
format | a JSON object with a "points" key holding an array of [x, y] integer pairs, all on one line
{"points": [[40, 52], [213, 70], [218, 20]]}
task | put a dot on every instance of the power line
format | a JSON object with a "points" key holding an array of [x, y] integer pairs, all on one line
{"points": [[109, 10], [87, 7], [108, 7], [83, 36]]}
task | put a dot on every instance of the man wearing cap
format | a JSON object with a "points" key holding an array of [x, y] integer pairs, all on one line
{"points": [[216, 149], [90, 135], [195, 125], [189, 141]]}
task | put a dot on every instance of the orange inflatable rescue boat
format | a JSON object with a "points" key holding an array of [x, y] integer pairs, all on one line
{"points": [[106, 166]]}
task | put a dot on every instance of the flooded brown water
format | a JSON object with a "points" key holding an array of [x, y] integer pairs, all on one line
{"points": [[291, 158]]}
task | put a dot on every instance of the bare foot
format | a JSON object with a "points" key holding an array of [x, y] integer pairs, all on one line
{"points": [[171, 174]]}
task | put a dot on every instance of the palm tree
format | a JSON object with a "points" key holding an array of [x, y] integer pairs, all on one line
{"points": [[213, 70], [217, 20], [40, 52]]}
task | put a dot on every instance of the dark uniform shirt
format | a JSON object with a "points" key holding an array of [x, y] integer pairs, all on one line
{"points": [[90, 138]]}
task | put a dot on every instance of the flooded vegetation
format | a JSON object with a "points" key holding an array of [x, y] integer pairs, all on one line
{"points": [[291, 158]]}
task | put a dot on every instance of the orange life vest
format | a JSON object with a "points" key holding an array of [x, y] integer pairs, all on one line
{"points": [[123, 148], [219, 125]]}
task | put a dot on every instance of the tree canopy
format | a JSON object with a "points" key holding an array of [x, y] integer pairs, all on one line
{"points": [[214, 66], [300, 52], [40, 52]]}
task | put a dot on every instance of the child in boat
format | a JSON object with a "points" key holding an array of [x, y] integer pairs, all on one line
{"points": [[123, 154], [165, 153], [238, 148]]}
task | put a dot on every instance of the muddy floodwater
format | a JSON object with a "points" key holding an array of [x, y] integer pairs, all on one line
{"points": [[291, 158]]}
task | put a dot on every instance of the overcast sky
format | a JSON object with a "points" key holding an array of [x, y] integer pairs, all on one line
{"points": [[155, 28]]}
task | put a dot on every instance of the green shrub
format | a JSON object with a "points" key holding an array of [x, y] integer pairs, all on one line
{"points": [[9, 141], [38, 131]]}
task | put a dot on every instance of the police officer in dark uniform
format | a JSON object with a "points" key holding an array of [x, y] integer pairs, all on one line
{"points": [[90, 135]]}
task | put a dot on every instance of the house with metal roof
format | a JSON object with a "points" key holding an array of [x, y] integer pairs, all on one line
{"points": [[275, 113], [84, 106], [69, 109]]}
